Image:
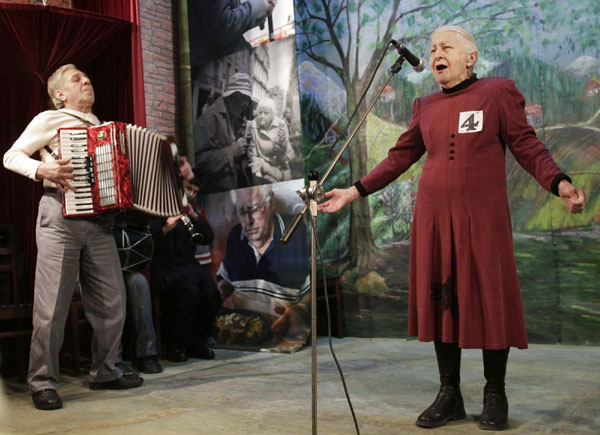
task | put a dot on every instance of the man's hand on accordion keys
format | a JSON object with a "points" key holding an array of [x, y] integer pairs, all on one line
{"points": [[57, 171]]}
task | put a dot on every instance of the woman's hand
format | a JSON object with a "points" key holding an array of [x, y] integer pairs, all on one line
{"points": [[572, 196], [339, 198]]}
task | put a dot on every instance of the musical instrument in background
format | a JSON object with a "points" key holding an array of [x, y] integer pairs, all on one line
{"points": [[135, 248]]}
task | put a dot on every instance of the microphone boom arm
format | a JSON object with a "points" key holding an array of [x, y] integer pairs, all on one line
{"points": [[316, 192]]}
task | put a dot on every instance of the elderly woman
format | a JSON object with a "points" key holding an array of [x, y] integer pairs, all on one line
{"points": [[464, 292], [270, 151]]}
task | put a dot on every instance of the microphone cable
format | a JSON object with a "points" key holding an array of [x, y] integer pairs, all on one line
{"points": [[337, 363]]}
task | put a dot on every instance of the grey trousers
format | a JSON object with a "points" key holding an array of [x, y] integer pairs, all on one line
{"points": [[69, 249]]}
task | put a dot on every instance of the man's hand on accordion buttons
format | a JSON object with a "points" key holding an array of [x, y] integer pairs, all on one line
{"points": [[57, 171]]}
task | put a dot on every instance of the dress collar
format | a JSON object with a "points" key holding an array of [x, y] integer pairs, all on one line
{"points": [[462, 85]]}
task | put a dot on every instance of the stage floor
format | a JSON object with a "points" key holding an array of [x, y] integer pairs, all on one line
{"points": [[551, 389]]}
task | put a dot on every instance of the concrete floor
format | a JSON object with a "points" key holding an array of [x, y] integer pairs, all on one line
{"points": [[551, 389]]}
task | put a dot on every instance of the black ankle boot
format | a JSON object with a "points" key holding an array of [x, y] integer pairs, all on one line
{"points": [[495, 405], [448, 405]]}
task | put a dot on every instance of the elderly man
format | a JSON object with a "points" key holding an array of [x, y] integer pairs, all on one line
{"points": [[69, 248], [464, 292], [263, 275], [269, 151], [220, 142]]}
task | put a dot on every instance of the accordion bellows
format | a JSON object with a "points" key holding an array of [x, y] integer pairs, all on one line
{"points": [[117, 167]]}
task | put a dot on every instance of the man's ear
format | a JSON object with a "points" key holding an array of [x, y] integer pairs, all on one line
{"points": [[60, 95]]}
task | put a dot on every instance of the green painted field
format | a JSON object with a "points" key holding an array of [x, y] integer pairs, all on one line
{"points": [[560, 284]]}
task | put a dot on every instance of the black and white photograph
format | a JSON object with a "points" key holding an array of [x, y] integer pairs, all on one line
{"points": [[247, 119]]}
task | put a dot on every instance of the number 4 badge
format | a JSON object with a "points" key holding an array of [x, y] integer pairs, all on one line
{"points": [[470, 122]]}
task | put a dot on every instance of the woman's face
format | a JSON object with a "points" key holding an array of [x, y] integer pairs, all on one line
{"points": [[448, 59]]}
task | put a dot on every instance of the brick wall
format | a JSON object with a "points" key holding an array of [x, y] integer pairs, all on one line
{"points": [[159, 55]]}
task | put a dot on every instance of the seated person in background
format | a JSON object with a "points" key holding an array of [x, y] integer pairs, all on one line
{"points": [[135, 248], [263, 275], [139, 307], [188, 294], [269, 151], [191, 185]]}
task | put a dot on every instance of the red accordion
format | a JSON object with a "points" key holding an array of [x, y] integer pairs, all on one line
{"points": [[119, 166]]}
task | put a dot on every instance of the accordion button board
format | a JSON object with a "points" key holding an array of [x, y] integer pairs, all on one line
{"points": [[100, 166]]}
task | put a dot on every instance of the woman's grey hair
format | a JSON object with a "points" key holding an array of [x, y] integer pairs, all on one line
{"points": [[266, 103], [465, 36], [55, 83]]}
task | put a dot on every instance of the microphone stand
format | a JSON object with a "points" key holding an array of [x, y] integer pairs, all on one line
{"points": [[312, 195]]}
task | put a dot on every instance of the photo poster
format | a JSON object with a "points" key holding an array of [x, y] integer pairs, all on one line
{"points": [[267, 282], [248, 165]]}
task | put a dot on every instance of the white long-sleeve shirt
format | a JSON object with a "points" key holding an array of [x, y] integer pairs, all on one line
{"points": [[40, 132]]}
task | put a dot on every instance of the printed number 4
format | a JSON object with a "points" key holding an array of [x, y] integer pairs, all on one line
{"points": [[470, 122]]}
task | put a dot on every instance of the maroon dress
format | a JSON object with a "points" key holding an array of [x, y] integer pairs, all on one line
{"points": [[463, 279]]}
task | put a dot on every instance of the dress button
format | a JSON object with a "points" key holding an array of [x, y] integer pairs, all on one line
{"points": [[452, 135], [451, 158], [451, 151], [451, 144]]}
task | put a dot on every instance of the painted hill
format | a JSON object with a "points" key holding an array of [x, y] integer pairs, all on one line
{"points": [[576, 149], [584, 67]]}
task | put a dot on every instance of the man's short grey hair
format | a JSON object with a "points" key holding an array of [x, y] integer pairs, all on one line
{"points": [[55, 83], [265, 190], [465, 36]]}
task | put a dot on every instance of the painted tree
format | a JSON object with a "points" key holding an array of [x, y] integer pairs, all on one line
{"points": [[348, 37]]}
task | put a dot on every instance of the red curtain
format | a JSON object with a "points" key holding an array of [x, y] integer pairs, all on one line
{"points": [[126, 10], [34, 41]]}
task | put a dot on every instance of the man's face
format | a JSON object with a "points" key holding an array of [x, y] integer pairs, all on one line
{"points": [[256, 217], [76, 90], [448, 59], [265, 117], [238, 105]]}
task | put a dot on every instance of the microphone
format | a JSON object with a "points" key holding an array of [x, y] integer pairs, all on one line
{"points": [[418, 63]]}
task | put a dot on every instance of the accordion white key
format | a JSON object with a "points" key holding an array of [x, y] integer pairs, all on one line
{"points": [[117, 167]]}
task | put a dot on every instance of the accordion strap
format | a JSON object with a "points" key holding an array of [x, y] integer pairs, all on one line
{"points": [[87, 123]]}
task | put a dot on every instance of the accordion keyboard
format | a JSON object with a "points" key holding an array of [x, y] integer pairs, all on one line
{"points": [[74, 147]]}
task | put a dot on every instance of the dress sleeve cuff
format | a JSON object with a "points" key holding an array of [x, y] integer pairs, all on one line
{"points": [[361, 189], [556, 181]]}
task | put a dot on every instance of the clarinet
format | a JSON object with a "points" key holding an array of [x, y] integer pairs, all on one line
{"points": [[197, 237]]}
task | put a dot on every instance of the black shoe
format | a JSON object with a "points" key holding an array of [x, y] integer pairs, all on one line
{"points": [[495, 405], [447, 406], [46, 400], [495, 410], [122, 383], [201, 352], [177, 354], [126, 369], [149, 365]]}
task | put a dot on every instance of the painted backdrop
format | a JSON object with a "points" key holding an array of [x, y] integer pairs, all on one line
{"points": [[550, 49]]}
